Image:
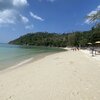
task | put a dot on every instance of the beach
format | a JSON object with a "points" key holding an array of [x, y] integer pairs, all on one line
{"points": [[68, 75]]}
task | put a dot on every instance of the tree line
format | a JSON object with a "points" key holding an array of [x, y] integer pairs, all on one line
{"points": [[60, 40]]}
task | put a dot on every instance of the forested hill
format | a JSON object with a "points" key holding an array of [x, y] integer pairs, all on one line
{"points": [[59, 40]]}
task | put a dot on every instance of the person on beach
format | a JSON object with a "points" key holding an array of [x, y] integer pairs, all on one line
{"points": [[75, 48], [78, 48]]}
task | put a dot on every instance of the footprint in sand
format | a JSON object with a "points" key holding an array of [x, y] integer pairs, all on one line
{"points": [[75, 95], [10, 98]]}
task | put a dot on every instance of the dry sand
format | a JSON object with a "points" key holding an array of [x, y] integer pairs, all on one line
{"points": [[68, 75], [89, 53]]}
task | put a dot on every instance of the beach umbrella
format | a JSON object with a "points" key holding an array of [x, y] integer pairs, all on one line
{"points": [[89, 43], [97, 42]]}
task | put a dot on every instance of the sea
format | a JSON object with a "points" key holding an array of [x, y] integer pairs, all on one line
{"points": [[16, 55]]}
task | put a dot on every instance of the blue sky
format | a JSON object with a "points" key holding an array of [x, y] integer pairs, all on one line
{"points": [[18, 17]]}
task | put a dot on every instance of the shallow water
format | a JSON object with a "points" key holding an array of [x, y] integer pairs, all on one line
{"points": [[13, 54]]}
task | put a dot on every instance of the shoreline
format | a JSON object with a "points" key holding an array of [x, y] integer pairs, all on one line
{"points": [[28, 61], [18, 55]]}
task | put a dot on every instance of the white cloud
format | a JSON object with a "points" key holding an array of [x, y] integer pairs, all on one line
{"points": [[98, 8], [24, 19], [9, 12], [87, 21], [36, 16], [29, 26], [92, 14], [7, 17], [18, 3], [12, 4]]}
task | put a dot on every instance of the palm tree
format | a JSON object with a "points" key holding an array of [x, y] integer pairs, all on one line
{"points": [[93, 17]]}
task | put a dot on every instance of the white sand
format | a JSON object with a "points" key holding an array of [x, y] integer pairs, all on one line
{"points": [[63, 76], [89, 54]]}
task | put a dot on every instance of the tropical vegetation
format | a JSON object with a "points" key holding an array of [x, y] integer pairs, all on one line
{"points": [[60, 40]]}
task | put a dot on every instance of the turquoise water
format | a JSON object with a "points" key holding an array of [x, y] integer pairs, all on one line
{"points": [[12, 54]]}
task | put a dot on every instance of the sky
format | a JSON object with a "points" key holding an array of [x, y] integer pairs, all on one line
{"points": [[18, 17]]}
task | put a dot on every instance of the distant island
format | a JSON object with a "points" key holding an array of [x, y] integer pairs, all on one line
{"points": [[60, 40]]}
